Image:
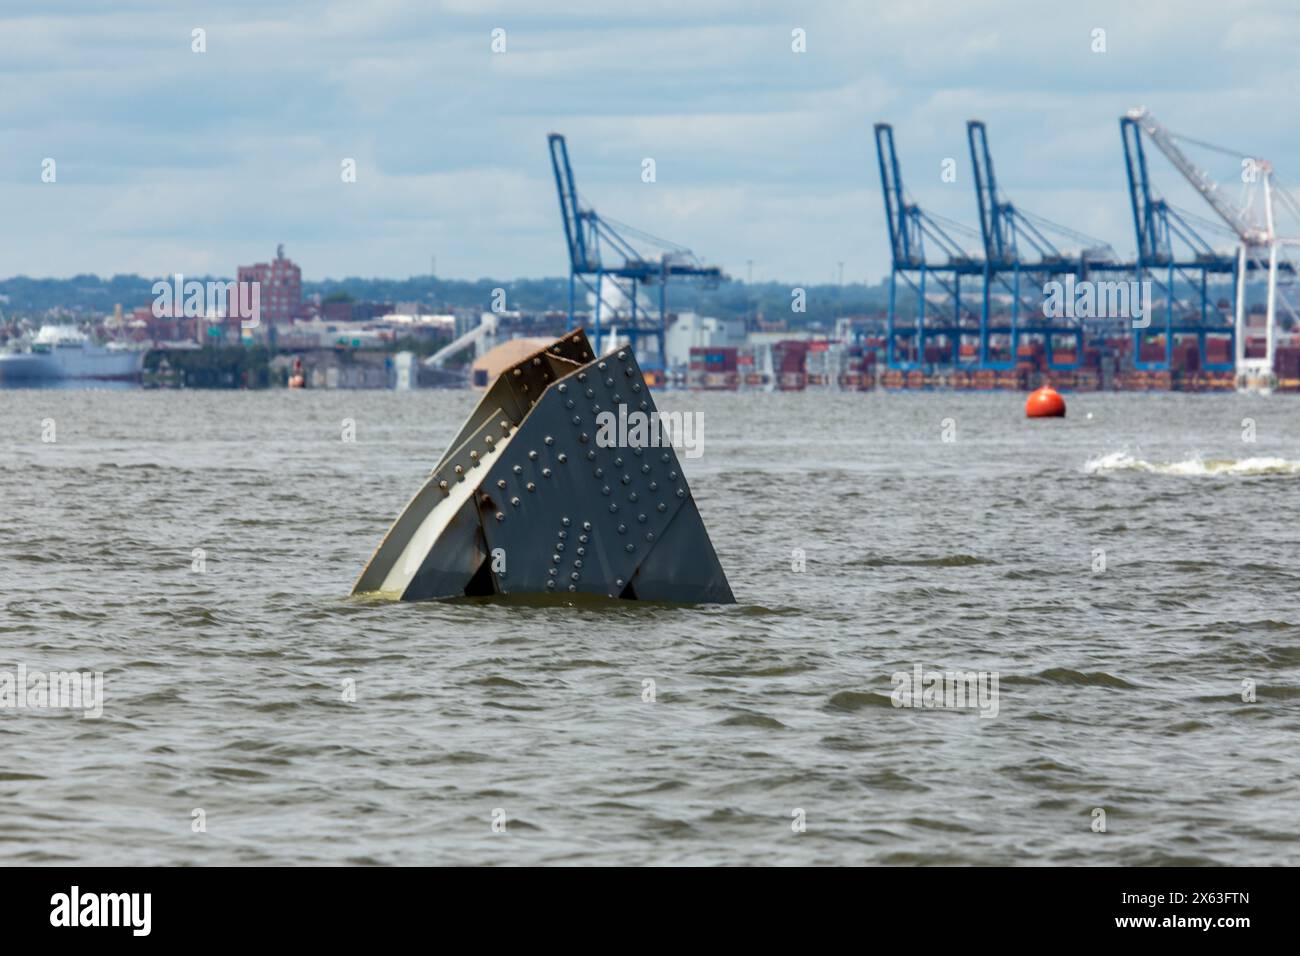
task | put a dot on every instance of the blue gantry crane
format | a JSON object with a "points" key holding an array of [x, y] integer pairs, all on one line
{"points": [[1177, 260], [910, 228], [1022, 253], [1020, 259], [636, 259]]}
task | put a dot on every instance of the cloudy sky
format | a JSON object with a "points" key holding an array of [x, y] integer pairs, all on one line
{"points": [[169, 160]]}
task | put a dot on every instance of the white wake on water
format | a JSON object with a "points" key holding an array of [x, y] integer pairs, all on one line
{"points": [[1194, 467]]}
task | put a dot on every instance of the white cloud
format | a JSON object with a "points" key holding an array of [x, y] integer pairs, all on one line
{"points": [[171, 160]]}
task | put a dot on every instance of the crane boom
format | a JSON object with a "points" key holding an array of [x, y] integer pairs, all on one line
{"points": [[896, 206], [569, 208], [992, 228], [1249, 233]]}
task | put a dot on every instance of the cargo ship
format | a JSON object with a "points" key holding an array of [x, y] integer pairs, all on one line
{"points": [[62, 353]]}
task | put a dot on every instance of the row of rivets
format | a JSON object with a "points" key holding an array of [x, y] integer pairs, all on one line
{"points": [[554, 569], [598, 472]]}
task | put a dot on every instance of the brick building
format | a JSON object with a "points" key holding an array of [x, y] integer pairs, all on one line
{"points": [[280, 282]]}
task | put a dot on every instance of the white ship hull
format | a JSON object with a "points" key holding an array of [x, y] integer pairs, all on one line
{"points": [[59, 364]]}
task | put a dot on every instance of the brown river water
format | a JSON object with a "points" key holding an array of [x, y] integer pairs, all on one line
{"points": [[1130, 575]]}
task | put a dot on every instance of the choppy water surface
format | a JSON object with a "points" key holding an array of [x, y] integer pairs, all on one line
{"points": [[1119, 689]]}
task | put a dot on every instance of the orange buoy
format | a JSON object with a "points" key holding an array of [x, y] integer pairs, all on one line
{"points": [[1045, 402]]}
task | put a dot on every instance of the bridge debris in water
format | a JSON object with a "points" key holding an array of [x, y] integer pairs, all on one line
{"points": [[528, 501]]}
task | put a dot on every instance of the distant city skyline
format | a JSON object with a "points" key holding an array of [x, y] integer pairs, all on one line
{"points": [[167, 160]]}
